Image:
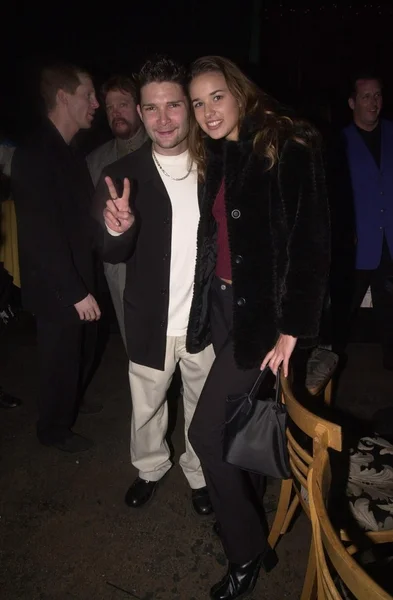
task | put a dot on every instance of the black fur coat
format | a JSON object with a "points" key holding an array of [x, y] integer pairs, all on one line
{"points": [[279, 238]]}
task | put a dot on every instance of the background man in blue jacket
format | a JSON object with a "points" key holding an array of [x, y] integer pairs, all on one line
{"points": [[368, 144]]}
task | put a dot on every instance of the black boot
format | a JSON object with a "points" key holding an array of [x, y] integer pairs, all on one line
{"points": [[240, 580]]}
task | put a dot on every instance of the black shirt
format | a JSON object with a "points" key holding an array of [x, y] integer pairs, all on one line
{"points": [[372, 139]]}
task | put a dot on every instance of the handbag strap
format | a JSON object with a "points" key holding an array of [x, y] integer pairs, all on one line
{"points": [[260, 379], [278, 397]]}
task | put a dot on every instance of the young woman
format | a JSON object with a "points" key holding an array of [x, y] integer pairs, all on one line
{"points": [[261, 277]]}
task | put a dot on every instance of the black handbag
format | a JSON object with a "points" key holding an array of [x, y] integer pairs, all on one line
{"points": [[254, 436]]}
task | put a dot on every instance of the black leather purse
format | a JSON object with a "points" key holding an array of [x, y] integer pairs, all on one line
{"points": [[254, 437]]}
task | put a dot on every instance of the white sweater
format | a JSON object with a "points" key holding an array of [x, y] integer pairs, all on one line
{"points": [[185, 218]]}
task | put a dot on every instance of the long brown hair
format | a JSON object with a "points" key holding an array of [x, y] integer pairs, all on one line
{"points": [[270, 124]]}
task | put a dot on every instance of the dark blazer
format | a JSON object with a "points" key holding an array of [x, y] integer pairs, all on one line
{"points": [[372, 190], [279, 238], [146, 248], [53, 190]]}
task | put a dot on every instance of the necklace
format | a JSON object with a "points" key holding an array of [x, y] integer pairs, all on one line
{"points": [[167, 174]]}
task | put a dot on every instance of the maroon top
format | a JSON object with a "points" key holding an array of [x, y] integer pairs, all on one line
{"points": [[223, 264]]}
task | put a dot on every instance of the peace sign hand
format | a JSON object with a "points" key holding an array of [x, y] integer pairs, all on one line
{"points": [[117, 214]]}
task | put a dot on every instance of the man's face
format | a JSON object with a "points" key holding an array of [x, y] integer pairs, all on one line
{"points": [[165, 115], [367, 103], [83, 103], [122, 115]]}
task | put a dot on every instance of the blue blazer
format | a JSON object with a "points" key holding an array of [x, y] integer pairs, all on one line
{"points": [[372, 194]]}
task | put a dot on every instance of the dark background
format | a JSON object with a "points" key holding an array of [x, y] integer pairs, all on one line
{"points": [[302, 52]]}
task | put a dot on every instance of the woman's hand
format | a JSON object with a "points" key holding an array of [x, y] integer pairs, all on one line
{"points": [[281, 353]]}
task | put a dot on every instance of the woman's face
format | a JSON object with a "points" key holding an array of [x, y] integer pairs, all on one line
{"points": [[216, 109]]}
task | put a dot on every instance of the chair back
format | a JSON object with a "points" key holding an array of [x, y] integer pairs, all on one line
{"points": [[329, 550], [315, 431]]}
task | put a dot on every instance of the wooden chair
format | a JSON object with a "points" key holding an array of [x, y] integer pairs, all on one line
{"points": [[294, 491], [327, 543]]}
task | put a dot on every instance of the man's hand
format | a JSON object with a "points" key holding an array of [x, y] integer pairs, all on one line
{"points": [[117, 214], [281, 353], [88, 309]]}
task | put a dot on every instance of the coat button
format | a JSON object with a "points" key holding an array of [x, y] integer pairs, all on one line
{"points": [[238, 259], [166, 256], [236, 213], [162, 323], [166, 221], [241, 301], [163, 291]]}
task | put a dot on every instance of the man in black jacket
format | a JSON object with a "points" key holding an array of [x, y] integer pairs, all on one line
{"points": [[159, 245], [52, 191]]}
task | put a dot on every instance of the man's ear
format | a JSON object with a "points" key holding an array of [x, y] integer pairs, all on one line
{"points": [[351, 103], [62, 97], [138, 108]]}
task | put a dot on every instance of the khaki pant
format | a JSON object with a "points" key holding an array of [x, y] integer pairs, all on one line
{"points": [[149, 422]]}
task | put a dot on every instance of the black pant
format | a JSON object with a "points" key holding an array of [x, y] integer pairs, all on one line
{"points": [[236, 496], [66, 356], [382, 300]]}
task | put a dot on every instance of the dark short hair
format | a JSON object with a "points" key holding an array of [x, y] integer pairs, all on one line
{"points": [[123, 83], [59, 77], [361, 74], [160, 69]]}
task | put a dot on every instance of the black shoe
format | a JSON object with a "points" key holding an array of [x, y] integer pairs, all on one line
{"points": [[201, 501], [8, 401], [71, 442], [140, 492], [240, 580], [90, 407]]}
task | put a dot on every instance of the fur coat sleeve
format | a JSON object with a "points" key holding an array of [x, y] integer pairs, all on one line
{"points": [[303, 193]]}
